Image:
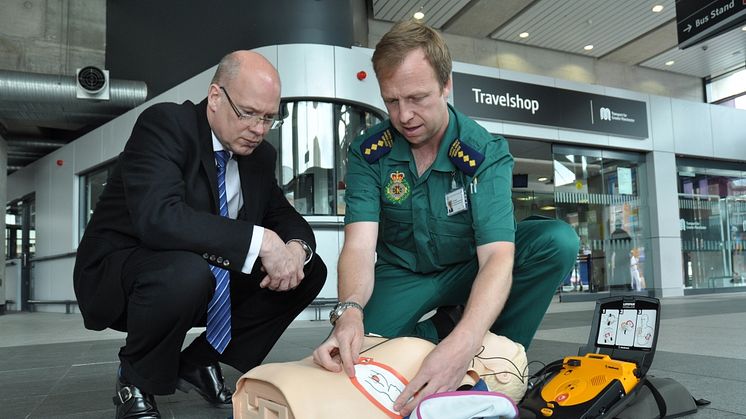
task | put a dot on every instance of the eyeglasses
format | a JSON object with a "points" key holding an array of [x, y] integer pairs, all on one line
{"points": [[252, 118]]}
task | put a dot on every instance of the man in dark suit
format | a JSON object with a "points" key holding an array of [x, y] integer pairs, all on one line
{"points": [[193, 230]]}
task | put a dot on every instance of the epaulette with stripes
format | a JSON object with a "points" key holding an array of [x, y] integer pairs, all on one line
{"points": [[464, 157], [377, 145]]}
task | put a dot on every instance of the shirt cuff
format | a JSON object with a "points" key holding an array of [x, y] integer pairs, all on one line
{"points": [[256, 245]]}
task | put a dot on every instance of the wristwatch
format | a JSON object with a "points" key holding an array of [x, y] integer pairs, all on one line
{"points": [[306, 248], [340, 308]]}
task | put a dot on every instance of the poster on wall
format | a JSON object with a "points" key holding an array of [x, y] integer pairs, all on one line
{"points": [[624, 175]]}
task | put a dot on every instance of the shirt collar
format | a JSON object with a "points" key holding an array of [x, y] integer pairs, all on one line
{"points": [[442, 163], [217, 146], [400, 150]]}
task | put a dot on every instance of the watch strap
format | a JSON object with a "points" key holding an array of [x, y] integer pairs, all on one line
{"points": [[340, 308], [306, 248]]}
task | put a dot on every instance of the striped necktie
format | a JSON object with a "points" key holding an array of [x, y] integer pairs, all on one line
{"points": [[219, 309]]}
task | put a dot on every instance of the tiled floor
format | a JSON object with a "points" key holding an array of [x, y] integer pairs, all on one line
{"points": [[50, 367]]}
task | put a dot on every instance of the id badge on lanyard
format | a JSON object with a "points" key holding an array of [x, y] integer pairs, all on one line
{"points": [[456, 201]]}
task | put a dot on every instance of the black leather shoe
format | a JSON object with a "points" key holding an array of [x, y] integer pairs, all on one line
{"points": [[207, 381], [133, 403]]}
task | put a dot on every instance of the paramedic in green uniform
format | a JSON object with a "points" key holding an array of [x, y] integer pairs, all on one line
{"points": [[429, 223]]}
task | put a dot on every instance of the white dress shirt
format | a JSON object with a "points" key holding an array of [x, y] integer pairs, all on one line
{"points": [[235, 202]]}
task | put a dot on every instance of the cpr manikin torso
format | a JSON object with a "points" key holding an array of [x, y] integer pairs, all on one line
{"points": [[304, 390]]}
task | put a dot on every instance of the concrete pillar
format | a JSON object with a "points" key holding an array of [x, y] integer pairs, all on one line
{"points": [[666, 237]]}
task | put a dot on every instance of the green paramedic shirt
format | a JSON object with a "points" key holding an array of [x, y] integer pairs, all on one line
{"points": [[415, 231]]}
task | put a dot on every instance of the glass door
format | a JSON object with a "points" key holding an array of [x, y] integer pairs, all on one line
{"points": [[602, 195], [20, 246], [712, 221]]}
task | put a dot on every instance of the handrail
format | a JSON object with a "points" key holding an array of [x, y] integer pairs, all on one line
{"points": [[53, 257]]}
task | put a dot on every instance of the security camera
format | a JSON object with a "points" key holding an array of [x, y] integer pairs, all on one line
{"points": [[704, 47]]}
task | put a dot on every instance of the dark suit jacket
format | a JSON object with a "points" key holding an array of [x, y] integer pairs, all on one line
{"points": [[162, 195]]}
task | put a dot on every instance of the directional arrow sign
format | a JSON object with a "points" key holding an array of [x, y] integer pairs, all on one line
{"points": [[699, 20]]}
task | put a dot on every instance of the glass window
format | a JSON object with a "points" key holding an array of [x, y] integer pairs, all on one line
{"points": [[712, 221], [312, 153], [15, 227], [91, 185], [602, 195]]}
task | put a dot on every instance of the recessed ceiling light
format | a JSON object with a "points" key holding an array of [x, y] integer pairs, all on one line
{"points": [[588, 47], [670, 62], [543, 179], [418, 15], [523, 35], [744, 29], [657, 8]]}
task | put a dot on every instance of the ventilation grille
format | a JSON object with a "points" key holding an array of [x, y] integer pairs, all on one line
{"points": [[92, 79], [598, 380]]}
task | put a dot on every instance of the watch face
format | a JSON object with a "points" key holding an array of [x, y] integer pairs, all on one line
{"points": [[335, 313]]}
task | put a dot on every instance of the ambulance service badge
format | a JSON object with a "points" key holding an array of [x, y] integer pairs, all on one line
{"points": [[397, 190]]}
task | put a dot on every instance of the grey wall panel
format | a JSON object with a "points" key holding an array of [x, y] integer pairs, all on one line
{"points": [[661, 123], [88, 150], [525, 77], [116, 133], [44, 204], [528, 131], [581, 87], [586, 138], [60, 236], [49, 284], [478, 70], [728, 132], [347, 63], [492, 126], [664, 228], [269, 52], [196, 88], [306, 70], [691, 128], [21, 182], [663, 199], [669, 266], [631, 143]]}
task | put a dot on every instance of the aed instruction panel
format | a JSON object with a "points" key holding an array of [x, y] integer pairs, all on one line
{"points": [[626, 328]]}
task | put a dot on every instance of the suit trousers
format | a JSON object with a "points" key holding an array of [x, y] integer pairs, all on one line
{"points": [[168, 293], [546, 250]]}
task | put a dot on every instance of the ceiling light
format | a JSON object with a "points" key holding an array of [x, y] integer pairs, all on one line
{"points": [[523, 35], [588, 47], [418, 15], [670, 62], [543, 179], [744, 29], [657, 8]]}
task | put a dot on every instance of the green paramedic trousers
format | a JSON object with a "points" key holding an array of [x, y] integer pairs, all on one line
{"points": [[546, 250]]}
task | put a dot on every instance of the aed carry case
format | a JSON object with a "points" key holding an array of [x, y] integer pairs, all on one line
{"points": [[608, 377]]}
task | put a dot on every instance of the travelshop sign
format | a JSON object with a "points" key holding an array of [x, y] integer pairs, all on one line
{"points": [[512, 101]]}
